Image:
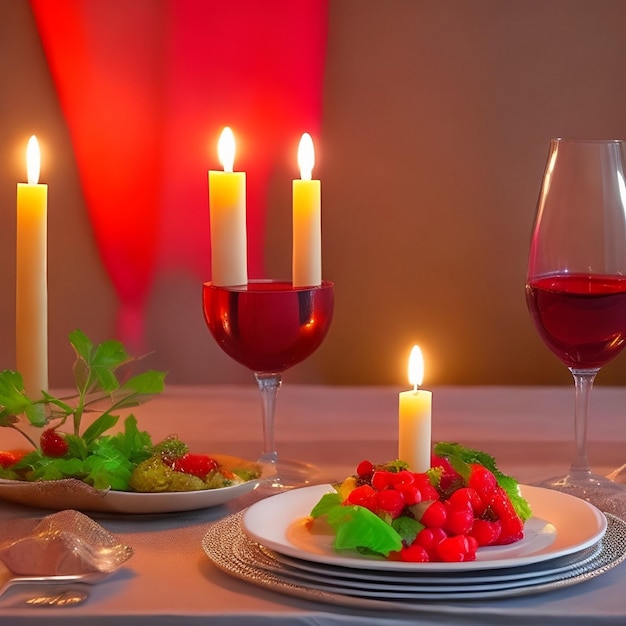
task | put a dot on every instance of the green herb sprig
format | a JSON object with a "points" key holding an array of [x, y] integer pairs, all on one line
{"points": [[103, 387]]}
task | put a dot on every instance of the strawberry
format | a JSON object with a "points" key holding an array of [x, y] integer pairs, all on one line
{"points": [[197, 464], [512, 527], [450, 478], [365, 469], [486, 532], [365, 496], [414, 554], [482, 481], [457, 548], [429, 539], [10, 457], [389, 502], [53, 443]]}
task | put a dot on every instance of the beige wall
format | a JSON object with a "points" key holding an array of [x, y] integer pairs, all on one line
{"points": [[436, 125]]}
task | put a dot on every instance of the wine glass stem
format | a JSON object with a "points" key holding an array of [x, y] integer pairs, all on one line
{"points": [[583, 381], [269, 385]]}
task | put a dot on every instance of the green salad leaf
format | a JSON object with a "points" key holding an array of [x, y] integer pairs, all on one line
{"points": [[357, 528]]}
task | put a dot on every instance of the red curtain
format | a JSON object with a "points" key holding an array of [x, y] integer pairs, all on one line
{"points": [[146, 87]]}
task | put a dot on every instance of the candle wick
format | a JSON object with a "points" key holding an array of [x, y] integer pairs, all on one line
{"points": [[415, 386]]}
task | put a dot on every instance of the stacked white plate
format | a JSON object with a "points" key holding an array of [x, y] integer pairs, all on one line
{"points": [[567, 541]]}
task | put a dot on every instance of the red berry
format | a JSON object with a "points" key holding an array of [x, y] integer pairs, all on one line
{"points": [[364, 469], [466, 496], [449, 476], [52, 443], [402, 478], [412, 495], [427, 489], [10, 457], [459, 518], [196, 464], [381, 480], [390, 502], [512, 526], [457, 548], [433, 515], [429, 539], [486, 532], [364, 496], [414, 554], [482, 480]]}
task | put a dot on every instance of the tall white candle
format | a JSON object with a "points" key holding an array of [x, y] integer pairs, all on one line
{"points": [[31, 293], [414, 417], [307, 230], [227, 215]]}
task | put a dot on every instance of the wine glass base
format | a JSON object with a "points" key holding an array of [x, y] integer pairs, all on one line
{"points": [[285, 474], [279, 476], [605, 494]]}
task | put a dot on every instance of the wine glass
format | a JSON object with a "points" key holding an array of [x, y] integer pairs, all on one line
{"points": [[576, 284], [269, 326]]}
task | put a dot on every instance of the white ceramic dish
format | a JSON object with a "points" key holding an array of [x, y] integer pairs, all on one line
{"points": [[561, 525], [57, 495]]}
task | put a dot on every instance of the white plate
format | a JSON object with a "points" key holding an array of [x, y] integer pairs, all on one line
{"points": [[70, 493], [478, 577], [234, 552], [561, 525]]}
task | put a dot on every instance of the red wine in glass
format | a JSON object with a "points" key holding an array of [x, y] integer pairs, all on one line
{"points": [[269, 326], [580, 317], [576, 284]]}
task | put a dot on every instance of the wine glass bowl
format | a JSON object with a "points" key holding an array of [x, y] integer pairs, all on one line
{"points": [[576, 283], [269, 326]]}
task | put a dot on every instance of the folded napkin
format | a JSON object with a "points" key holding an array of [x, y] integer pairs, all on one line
{"points": [[66, 543]]}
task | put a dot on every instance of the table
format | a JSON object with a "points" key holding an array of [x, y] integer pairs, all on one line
{"points": [[169, 580]]}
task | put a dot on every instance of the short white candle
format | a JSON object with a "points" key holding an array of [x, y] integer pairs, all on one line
{"points": [[415, 409]]}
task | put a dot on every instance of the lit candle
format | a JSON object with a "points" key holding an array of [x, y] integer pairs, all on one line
{"points": [[31, 294], [414, 440], [307, 233], [227, 213]]}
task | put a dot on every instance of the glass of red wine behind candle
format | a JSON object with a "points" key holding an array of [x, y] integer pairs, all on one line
{"points": [[269, 326], [576, 284]]}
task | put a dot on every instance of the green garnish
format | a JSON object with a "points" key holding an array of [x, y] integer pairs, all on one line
{"points": [[103, 461], [461, 457], [357, 528]]}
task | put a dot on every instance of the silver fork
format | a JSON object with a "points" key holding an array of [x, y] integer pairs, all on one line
{"points": [[55, 597]]}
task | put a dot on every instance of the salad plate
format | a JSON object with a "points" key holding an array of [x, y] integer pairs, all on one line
{"points": [[234, 552], [71, 493], [561, 525]]}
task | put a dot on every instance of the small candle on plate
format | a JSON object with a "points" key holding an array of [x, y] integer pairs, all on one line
{"points": [[414, 418], [227, 215], [307, 234], [31, 287]]}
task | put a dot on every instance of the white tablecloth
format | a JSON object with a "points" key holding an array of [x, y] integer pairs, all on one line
{"points": [[169, 580]]}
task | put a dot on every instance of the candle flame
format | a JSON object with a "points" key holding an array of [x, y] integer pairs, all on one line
{"points": [[306, 157], [416, 367], [226, 149], [33, 160]]}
